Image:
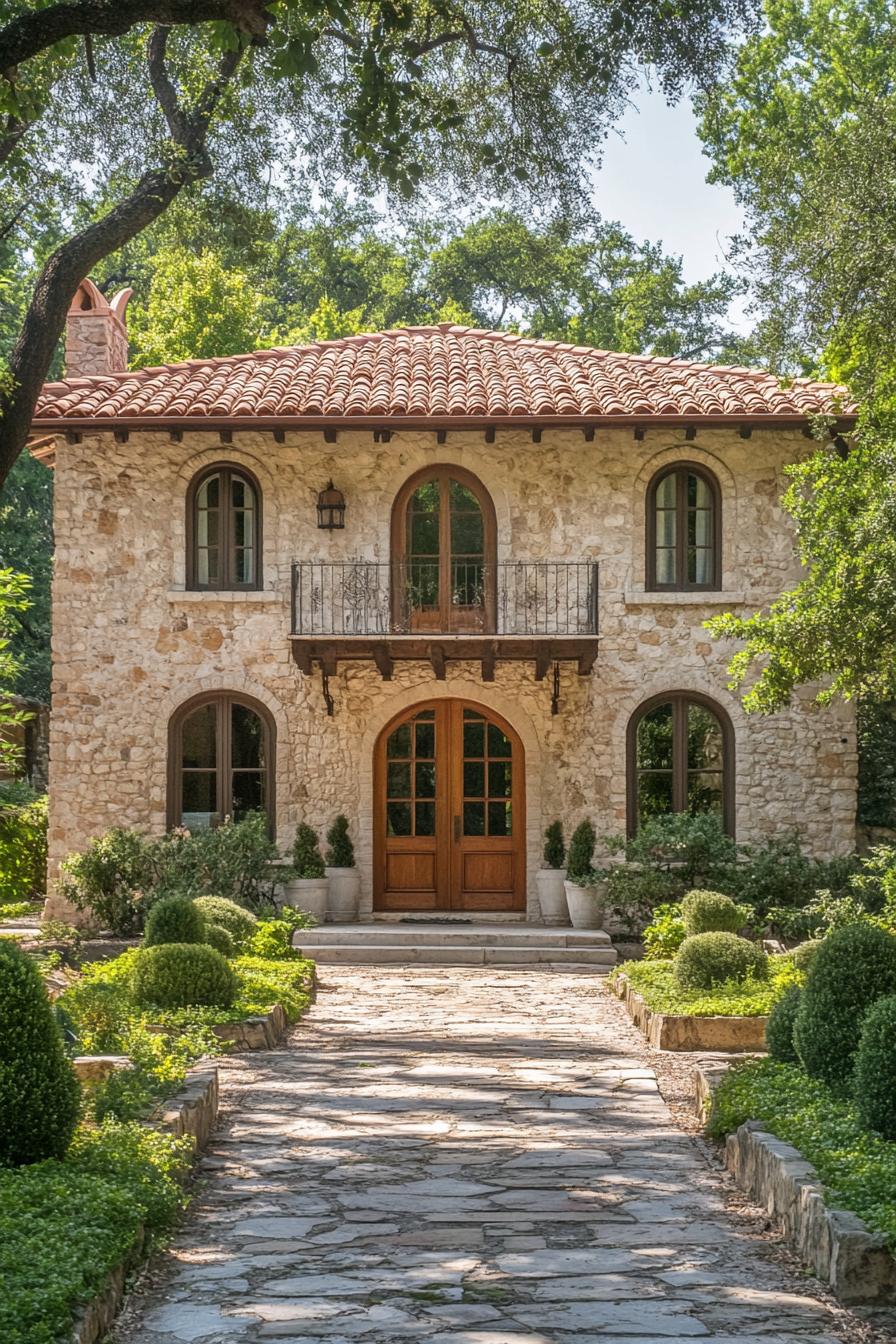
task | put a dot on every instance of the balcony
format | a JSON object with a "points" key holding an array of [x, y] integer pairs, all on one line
{"points": [[518, 610]]}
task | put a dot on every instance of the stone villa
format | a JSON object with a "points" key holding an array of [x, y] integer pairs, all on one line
{"points": [[448, 582]]}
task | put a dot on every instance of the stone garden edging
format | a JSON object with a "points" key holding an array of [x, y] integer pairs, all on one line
{"points": [[255, 1033], [193, 1110], [666, 1031]]}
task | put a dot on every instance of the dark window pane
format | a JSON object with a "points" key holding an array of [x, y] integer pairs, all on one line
{"points": [[654, 795], [199, 799], [426, 497], [399, 743], [705, 792], [474, 818], [467, 533], [498, 744], [422, 584], [398, 780], [425, 820], [500, 779], [424, 534], [248, 793], [705, 745], [474, 737], [474, 779], [426, 739], [499, 819], [467, 584], [462, 497], [655, 739], [199, 738], [398, 818], [425, 773], [247, 738]]}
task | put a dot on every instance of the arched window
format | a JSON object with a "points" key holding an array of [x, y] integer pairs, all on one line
{"points": [[684, 529], [680, 759], [220, 760], [443, 553], [224, 530]]}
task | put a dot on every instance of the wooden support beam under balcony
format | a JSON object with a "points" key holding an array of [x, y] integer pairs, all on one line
{"points": [[384, 651]]}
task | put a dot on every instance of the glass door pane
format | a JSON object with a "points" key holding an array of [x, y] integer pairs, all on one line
{"points": [[421, 579], [411, 777], [467, 542]]}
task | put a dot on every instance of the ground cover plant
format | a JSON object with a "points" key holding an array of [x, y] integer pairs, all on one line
{"points": [[856, 1166], [662, 992], [23, 842]]}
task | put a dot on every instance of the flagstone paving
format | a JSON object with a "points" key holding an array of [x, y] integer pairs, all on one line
{"points": [[461, 1156]]}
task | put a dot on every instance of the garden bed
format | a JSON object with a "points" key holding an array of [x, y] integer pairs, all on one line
{"points": [[802, 1154], [645, 989]]}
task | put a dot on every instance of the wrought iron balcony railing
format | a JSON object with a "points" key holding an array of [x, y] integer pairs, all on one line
{"points": [[516, 597]]}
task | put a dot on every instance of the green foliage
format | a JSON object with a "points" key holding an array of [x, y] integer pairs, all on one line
{"points": [[178, 975], [554, 851], [287, 914], [218, 938], [853, 967], [174, 919], [580, 860], [874, 1079], [26, 546], [341, 852], [657, 982], [804, 954], [14, 589], [110, 880], [876, 734], [306, 855], [273, 940], [779, 1028], [23, 842], [707, 959], [857, 1169], [264, 981], [665, 933], [238, 922], [711, 911], [777, 874], [65, 1225], [38, 1090], [668, 856]]}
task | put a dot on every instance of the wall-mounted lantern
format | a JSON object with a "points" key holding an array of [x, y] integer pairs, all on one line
{"points": [[331, 508]]}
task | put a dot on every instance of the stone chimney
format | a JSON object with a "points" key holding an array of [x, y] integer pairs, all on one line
{"points": [[96, 338]]}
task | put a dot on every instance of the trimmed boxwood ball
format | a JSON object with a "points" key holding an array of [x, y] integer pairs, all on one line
{"points": [[779, 1028], [39, 1093], [804, 954], [174, 919], [711, 912], [874, 1080], [218, 938], [854, 966], [708, 959], [239, 922], [182, 975]]}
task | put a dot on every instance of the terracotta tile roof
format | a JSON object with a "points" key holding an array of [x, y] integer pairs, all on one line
{"points": [[444, 373]]}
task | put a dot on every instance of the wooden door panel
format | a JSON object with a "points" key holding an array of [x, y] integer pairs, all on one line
{"points": [[487, 872], [411, 872]]}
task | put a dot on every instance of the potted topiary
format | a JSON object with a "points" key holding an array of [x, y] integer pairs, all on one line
{"points": [[549, 879], [345, 882], [307, 888], [585, 886]]}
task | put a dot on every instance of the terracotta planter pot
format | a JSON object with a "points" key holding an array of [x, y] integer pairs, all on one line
{"points": [[587, 905], [308, 894], [549, 883], [345, 892]]}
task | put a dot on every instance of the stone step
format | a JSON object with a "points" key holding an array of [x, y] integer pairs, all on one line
{"points": [[450, 935], [601, 959]]}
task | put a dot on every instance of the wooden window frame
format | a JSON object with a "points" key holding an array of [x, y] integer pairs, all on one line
{"points": [[444, 472], [680, 700], [223, 702], [227, 471], [681, 471]]}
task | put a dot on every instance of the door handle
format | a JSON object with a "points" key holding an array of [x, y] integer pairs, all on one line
{"points": [[456, 829]]}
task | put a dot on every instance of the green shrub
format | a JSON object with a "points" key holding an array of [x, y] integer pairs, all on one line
{"points": [[668, 856], [874, 1078], [273, 940], [711, 912], [233, 860], [554, 846], [239, 922], [707, 959], [23, 842], [306, 855], [174, 919], [580, 862], [777, 877], [341, 851], [779, 1028], [656, 982], [804, 955], [39, 1093], [853, 967], [217, 937], [179, 975], [111, 879], [665, 933]]}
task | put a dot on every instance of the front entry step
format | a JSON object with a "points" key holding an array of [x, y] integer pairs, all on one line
{"points": [[454, 945]]}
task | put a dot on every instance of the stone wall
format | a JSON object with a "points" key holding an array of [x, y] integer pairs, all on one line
{"points": [[130, 644]]}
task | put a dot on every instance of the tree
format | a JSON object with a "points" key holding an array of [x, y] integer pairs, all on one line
{"points": [[26, 547], [13, 600], [406, 92]]}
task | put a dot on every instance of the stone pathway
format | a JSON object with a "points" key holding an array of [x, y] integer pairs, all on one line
{"points": [[461, 1156]]}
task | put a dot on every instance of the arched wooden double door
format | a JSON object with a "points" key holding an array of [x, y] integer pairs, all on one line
{"points": [[449, 814]]}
